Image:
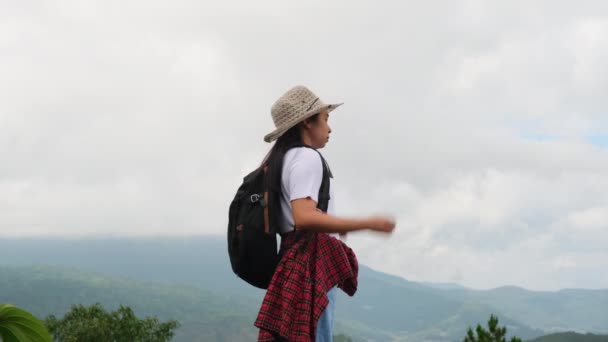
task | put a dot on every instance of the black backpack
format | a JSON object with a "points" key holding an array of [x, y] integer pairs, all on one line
{"points": [[252, 240]]}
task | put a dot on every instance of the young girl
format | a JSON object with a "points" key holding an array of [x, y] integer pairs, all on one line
{"points": [[300, 300]]}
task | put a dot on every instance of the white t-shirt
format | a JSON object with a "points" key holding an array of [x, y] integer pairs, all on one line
{"points": [[301, 178]]}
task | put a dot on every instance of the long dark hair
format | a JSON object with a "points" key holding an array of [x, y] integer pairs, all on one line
{"points": [[274, 162]]}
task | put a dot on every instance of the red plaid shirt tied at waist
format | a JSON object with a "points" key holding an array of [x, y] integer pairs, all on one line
{"points": [[311, 264]]}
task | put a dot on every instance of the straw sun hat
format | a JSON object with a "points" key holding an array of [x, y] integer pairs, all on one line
{"points": [[297, 104]]}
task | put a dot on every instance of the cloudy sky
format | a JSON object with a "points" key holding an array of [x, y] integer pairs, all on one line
{"points": [[482, 126]]}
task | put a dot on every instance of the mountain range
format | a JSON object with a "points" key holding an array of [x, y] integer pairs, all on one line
{"points": [[189, 279]]}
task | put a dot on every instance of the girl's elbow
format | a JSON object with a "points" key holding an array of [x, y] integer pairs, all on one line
{"points": [[302, 222]]}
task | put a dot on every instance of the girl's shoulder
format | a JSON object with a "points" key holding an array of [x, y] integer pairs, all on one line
{"points": [[302, 155]]}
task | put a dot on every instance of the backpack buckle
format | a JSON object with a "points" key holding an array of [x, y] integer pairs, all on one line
{"points": [[254, 198]]}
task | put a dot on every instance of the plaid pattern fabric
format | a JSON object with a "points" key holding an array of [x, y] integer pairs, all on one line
{"points": [[311, 264]]}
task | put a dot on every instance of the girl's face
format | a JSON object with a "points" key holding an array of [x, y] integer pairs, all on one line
{"points": [[318, 130]]}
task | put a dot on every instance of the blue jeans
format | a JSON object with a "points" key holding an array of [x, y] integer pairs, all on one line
{"points": [[326, 321]]}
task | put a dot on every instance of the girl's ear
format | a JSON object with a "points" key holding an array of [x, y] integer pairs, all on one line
{"points": [[306, 123]]}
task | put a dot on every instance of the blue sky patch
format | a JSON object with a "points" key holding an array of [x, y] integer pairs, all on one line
{"points": [[600, 140]]}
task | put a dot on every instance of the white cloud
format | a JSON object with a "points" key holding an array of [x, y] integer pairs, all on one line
{"points": [[468, 121]]}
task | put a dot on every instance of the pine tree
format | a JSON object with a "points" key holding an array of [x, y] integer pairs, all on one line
{"points": [[493, 334]]}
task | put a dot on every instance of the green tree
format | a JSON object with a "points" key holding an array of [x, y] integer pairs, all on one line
{"points": [[93, 323], [493, 334], [18, 325]]}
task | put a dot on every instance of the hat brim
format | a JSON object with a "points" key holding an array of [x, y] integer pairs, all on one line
{"points": [[274, 135]]}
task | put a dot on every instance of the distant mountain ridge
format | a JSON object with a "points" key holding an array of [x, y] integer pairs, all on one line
{"points": [[385, 307], [203, 316]]}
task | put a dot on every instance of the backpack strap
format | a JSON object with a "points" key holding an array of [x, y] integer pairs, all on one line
{"points": [[265, 203], [266, 215], [324, 189]]}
